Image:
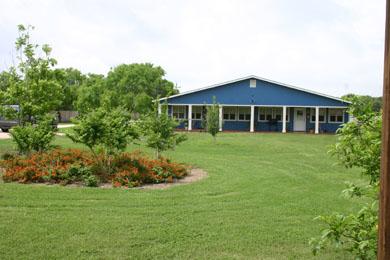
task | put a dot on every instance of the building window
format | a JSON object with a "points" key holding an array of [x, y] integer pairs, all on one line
{"points": [[244, 113], [265, 114], [252, 83], [229, 113], [197, 113], [277, 113], [336, 116], [321, 116], [269, 113], [179, 112]]}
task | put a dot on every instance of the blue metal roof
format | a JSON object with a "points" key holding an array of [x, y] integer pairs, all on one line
{"points": [[266, 93]]}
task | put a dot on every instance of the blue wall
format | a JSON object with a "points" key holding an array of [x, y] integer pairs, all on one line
{"points": [[265, 126], [265, 93]]}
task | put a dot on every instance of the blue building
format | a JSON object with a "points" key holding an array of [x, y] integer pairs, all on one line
{"points": [[257, 104]]}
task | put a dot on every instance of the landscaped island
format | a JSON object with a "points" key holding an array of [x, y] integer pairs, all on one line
{"points": [[70, 166]]}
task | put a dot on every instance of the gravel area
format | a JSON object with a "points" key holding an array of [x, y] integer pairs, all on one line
{"points": [[4, 135]]}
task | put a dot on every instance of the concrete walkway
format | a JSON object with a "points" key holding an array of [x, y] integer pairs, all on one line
{"points": [[8, 136]]}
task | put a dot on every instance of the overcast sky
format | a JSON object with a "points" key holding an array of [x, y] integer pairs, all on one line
{"points": [[331, 46]]}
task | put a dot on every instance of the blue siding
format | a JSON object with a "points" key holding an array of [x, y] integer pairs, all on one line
{"points": [[265, 93]]}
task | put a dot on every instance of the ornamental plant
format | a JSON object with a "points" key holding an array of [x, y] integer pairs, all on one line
{"points": [[359, 145], [212, 119], [76, 166], [33, 137], [159, 130], [106, 133]]}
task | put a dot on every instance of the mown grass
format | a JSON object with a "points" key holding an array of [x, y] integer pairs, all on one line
{"points": [[258, 202]]}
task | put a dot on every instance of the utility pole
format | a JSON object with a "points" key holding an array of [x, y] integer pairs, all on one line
{"points": [[384, 200]]}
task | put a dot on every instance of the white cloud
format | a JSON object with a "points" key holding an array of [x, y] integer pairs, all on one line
{"points": [[332, 47]]}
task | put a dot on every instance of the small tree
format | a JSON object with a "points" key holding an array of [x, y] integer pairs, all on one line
{"points": [[212, 119], [104, 132], [359, 145], [32, 85], [159, 130], [38, 137]]}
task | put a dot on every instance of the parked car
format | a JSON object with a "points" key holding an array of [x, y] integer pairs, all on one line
{"points": [[6, 124]]}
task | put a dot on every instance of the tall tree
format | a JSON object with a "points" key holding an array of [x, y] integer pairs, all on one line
{"points": [[90, 93], [374, 102], [70, 80], [35, 92], [137, 84]]}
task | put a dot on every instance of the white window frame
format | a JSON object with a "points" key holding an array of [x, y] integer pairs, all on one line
{"points": [[313, 113], [179, 109], [247, 112], [330, 110], [267, 110], [197, 110], [233, 109], [273, 114]]}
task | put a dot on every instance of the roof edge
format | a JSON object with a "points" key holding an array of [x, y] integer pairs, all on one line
{"points": [[258, 78]]}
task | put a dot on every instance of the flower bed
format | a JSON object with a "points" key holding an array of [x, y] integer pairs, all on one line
{"points": [[76, 166]]}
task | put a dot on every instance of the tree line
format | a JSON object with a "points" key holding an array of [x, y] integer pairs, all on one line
{"points": [[35, 78]]}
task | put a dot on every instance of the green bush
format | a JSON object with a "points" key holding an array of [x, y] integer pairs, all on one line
{"points": [[90, 181], [31, 137]]}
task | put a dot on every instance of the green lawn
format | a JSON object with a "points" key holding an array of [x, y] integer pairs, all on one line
{"points": [[258, 202]]}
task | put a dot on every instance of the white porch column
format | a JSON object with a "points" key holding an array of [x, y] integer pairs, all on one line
{"points": [[220, 118], [159, 108], [317, 123], [189, 117], [284, 119], [252, 127]]}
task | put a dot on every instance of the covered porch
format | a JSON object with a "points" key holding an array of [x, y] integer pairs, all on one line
{"points": [[256, 118]]}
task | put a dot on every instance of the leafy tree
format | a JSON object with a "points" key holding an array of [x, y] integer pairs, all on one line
{"points": [[137, 84], [374, 102], [70, 80], [105, 133], [7, 78], [32, 86], [359, 145], [90, 93], [212, 119], [159, 130]]}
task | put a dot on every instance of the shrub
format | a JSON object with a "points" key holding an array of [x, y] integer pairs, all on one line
{"points": [[52, 166], [159, 130], [105, 133], [30, 137], [90, 181], [75, 166]]}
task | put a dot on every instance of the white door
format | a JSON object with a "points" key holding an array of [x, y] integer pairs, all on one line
{"points": [[299, 119]]}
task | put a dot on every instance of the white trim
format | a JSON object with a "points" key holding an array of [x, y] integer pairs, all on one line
{"points": [[238, 114], [284, 121], [317, 121], [295, 119], [338, 122], [258, 78], [189, 117], [321, 108], [201, 113], [235, 117], [185, 113], [257, 105], [252, 121], [220, 118], [273, 114]]}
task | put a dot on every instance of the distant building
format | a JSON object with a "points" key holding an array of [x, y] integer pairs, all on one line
{"points": [[257, 104]]}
